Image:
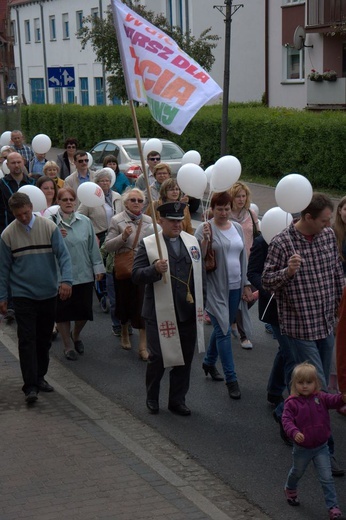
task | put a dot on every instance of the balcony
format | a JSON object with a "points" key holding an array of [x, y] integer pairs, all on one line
{"points": [[326, 94], [322, 13]]}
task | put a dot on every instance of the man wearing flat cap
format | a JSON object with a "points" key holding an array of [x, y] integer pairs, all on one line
{"points": [[173, 306]]}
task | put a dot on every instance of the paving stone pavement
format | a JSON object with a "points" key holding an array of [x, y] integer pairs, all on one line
{"points": [[75, 454]]}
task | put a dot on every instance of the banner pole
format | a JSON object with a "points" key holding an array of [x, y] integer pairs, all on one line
{"points": [[146, 179]]}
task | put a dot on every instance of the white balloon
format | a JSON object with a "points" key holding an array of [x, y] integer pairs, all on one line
{"points": [[5, 138], [273, 222], [112, 173], [293, 193], [90, 158], [152, 145], [90, 194], [37, 197], [225, 173], [192, 180], [254, 208], [41, 143], [5, 168], [52, 210], [191, 157], [208, 173]]}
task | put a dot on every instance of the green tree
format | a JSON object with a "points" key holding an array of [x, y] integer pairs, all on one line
{"points": [[100, 33]]}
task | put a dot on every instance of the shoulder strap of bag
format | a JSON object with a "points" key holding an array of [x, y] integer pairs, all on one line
{"points": [[254, 227], [137, 234]]}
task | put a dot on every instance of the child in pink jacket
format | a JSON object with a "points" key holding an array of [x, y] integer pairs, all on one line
{"points": [[306, 421]]}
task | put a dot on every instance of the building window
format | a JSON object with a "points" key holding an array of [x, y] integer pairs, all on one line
{"points": [[294, 1], [94, 12], [27, 31], [70, 95], [295, 68], [79, 21], [58, 96], [99, 91], [179, 14], [37, 29], [37, 91], [84, 91], [13, 32], [65, 27], [169, 13], [52, 28]]}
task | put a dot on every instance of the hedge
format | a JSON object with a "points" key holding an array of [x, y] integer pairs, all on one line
{"points": [[269, 142]]}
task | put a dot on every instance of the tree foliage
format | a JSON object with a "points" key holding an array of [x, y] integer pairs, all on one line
{"points": [[100, 33]]}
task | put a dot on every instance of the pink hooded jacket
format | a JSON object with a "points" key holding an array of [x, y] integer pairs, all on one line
{"points": [[310, 416]]}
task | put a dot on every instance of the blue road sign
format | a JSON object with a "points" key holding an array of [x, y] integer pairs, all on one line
{"points": [[12, 86], [61, 77]]}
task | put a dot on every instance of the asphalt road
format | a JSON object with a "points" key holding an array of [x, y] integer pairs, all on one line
{"points": [[236, 440]]}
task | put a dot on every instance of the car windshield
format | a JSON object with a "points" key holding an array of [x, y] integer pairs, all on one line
{"points": [[132, 151], [169, 151]]}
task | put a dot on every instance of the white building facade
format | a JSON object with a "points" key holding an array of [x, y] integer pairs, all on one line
{"points": [[48, 54]]}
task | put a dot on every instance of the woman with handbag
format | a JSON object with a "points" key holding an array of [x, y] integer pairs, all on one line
{"points": [[125, 232], [227, 287], [243, 215]]}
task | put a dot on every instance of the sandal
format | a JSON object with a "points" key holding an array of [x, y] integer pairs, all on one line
{"points": [[291, 497], [70, 355], [78, 345]]}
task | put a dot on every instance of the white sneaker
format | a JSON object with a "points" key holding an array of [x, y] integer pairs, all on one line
{"points": [[246, 344]]}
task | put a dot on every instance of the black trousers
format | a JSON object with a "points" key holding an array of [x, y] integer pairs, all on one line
{"points": [[179, 376], [35, 321]]}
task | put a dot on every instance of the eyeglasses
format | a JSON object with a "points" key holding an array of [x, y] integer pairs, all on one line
{"points": [[154, 158], [71, 146], [140, 201], [66, 200], [83, 160]]}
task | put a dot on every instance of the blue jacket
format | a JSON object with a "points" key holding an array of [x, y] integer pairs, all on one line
{"points": [[121, 183]]}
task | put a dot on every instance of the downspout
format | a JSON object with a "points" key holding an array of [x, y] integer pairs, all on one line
{"points": [[44, 54], [266, 53], [20, 56], [103, 65]]}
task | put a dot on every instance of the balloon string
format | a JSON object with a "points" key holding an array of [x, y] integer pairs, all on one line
{"points": [[289, 238], [265, 310], [207, 206]]}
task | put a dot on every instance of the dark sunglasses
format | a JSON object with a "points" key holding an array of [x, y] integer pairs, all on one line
{"points": [[83, 160], [140, 201], [67, 200], [154, 158]]}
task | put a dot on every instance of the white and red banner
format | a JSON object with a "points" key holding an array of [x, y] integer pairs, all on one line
{"points": [[159, 73]]}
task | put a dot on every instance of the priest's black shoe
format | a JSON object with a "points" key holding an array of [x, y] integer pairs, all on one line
{"points": [[31, 397], [43, 386], [179, 409], [153, 406]]}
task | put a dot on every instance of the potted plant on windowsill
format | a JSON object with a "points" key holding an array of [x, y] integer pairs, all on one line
{"points": [[329, 75], [315, 76]]}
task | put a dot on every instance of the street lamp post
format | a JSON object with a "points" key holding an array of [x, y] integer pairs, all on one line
{"points": [[230, 11]]}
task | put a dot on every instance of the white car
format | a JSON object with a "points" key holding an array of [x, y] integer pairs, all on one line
{"points": [[12, 100], [127, 154]]}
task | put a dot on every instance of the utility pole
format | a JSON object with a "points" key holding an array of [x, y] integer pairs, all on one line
{"points": [[230, 11]]}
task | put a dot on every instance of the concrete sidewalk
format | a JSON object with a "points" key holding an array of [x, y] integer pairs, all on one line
{"points": [[74, 454]]}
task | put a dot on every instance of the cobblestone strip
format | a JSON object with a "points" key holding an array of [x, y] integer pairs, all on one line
{"points": [[209, 494]]}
